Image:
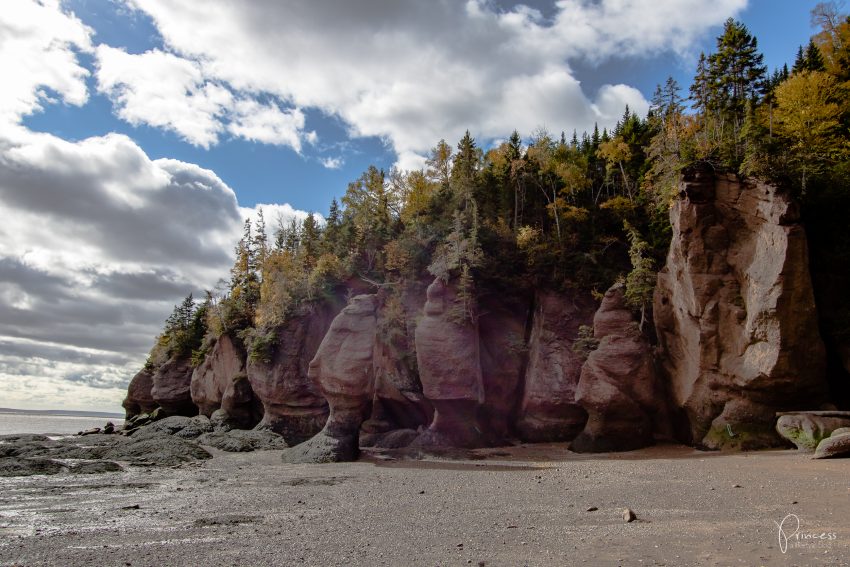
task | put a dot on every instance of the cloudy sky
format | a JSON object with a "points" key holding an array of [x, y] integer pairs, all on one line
{"points": [[135, 135]]}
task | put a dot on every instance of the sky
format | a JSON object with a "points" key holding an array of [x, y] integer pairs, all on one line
{"points": [[137, 135]]}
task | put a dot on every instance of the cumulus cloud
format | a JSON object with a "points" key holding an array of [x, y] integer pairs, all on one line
{"points": [[37, 58], [99, 242], [163, 90], [414, 72]]}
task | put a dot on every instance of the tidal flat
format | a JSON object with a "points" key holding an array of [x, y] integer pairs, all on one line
{"points": [[522, 505]]}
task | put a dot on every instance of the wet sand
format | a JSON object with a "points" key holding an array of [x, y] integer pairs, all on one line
{"points": [[525, 505]]}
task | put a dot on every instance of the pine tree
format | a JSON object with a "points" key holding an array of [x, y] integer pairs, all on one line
{"points": [[330, 236], [310, 235]]}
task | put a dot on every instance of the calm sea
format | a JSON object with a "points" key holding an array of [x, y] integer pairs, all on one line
{"points": [[39, 423]]}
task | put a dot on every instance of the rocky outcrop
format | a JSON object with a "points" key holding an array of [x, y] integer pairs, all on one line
{"points": [[242, 441], [808, 428], [292, 402], [139, 399], [447, 354], [618, 387], [177, 425], [221, 383], [344, 370], [735, 314], [170, 390], [549, 411]]}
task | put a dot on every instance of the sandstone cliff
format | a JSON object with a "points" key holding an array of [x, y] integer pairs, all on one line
{"points": [[293, 404], [735, 313], [220, 384]]}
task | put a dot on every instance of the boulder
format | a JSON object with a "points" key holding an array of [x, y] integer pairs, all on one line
{"points": [[548, 410], [618, 387], [344, 370], [221, 382], [807, 429], [293, 405], [139, 399], [735, 314], [447, 353], [834, 446], [170, 390]]}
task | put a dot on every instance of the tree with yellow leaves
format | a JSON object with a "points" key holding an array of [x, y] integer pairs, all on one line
{"points": [[808, 117]]}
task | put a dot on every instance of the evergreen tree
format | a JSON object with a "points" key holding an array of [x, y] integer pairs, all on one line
{"points": [[331, 234], [310, 235]]}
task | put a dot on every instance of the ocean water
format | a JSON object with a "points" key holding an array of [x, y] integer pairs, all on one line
{"points": [[62, 424]]}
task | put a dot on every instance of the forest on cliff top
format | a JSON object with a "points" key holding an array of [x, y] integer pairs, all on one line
{"points": [[562, 211]]}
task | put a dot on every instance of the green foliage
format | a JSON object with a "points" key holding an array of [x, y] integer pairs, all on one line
{"points": [[260, 345], [585, 343], [183, 332], [640, 282]]}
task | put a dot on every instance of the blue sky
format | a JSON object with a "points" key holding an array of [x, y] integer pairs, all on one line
{"points": [[135, 135]]}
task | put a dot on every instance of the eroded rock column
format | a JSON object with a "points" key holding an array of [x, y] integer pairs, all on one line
{"points": [[618, 387], [344, 371], [447, 353]]}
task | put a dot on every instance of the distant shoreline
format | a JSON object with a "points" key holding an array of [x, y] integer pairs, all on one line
{"points": [[66, 413]]}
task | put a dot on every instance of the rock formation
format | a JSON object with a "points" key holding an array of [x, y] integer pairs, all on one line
{"points": [[447, 353], [735, 314], [549, 411], [139, 399], [170, 389], [618, 387], [221, 383], [806, 429], [399, 403], [292, 402], [344, 370]]}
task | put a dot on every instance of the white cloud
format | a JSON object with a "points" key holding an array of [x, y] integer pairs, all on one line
{"points": [[332, 162], [162, 90], [268, 124], [415, 72], [37, 58], [599, 30]]}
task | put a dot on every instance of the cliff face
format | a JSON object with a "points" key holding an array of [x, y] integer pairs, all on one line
{"points": [[220, 386], [293, 405], [735, 312], [548, 410], [409, 366]]}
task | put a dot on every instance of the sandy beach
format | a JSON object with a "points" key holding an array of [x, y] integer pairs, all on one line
{"points": [[525, 505]]}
